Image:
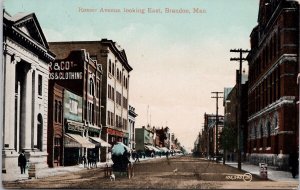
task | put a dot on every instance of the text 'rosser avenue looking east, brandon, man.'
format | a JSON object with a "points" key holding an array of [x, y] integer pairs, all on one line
{"points": [[143, 10]]}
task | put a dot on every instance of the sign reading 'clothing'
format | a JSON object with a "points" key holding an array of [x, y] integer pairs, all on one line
{"points": [[63, 71]]}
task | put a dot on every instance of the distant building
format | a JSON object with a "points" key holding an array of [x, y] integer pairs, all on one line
{"points": [[131, 126], [210, 133], [231, 115], [273, 91], [26, 59], [144, 139]]}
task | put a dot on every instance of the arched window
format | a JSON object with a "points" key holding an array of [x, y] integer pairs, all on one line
{"points": [[124, 81], [91, 90], [261, 136], [269, 134], [39, 132]]}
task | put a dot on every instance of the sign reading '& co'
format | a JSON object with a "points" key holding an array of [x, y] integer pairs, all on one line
{"points": [[63, 71]]}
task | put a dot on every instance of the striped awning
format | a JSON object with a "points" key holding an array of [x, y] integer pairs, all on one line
{"points": [[77, 141], [101, 142]]}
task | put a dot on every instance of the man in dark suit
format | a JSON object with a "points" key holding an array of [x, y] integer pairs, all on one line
{"points": [[22, 162]]}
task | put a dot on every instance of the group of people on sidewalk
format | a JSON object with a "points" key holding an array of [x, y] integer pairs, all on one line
{"points": [[89, 161]]}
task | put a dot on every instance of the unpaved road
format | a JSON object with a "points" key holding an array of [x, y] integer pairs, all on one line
{"points": [[192, 173]]}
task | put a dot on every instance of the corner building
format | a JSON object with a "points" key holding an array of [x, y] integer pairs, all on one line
{"points": [[26, 59], [115, 86], [272, 95]]}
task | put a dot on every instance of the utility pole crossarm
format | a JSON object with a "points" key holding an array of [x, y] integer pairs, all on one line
{"points": [[240, 59], [217, 120]]}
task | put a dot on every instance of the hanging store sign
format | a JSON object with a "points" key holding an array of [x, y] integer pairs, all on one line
{"points": [[63, 70]]}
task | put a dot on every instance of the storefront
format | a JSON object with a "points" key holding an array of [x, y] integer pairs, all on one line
{"points": [[76, 146]]}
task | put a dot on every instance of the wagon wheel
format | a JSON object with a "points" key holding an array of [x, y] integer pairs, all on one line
{"points": [[132, 171], [129, 170]]}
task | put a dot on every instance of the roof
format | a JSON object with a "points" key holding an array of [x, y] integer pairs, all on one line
{"points": [[25, 29]]}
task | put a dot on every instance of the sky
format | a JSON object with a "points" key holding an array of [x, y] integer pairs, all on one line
{"points": [[178, 59]]}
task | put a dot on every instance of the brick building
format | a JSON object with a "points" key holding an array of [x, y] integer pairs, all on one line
{"points": [[55, 125], [273, 68], [231, 115], [77, 72], [115, 88]]}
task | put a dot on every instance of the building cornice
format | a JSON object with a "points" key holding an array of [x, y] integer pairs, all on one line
{"points": [[284, 58], [32, 45], [285, 100]]}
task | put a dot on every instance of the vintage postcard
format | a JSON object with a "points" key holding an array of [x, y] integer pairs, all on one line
{"points": [[150, 94]]}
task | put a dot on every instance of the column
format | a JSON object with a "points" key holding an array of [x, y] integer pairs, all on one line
{"points": [[26, 109], [9, 101], [34, 107]]}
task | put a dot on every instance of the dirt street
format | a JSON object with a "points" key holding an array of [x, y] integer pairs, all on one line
{"points": [[175, 173]]}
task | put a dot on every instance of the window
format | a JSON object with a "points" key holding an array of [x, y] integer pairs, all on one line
{"points": [[125, 103], [55, 111], [117, 74], [118, 98], [269, 134], [124, 84], [40, 85], [109, 91], [97, 89], [39, 132], [112, 119], [108, 117], [109, 67], [113, 94], [73, 106], [91, 90], [113, 69], [59, 112], [261, 135]]}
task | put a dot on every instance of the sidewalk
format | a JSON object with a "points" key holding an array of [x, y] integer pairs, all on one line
{"points": [[274, 175], [46, 172]]}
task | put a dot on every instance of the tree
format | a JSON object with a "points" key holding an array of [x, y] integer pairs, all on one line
{"points": [[228, 140]]}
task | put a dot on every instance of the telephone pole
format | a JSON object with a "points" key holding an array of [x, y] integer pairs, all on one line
{"points": [[240, 59], [217, 121]]}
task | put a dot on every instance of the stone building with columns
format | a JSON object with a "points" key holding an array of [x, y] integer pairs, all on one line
{"points": [[26, 59]]}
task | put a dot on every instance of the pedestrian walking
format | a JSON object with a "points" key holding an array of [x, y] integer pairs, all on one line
{"points": [[137, 157], [83, 158], [293, 163], [22, 162], [167, 154]]}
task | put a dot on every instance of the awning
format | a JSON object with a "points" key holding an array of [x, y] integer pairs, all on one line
{"points": [[165, 149], [100, 141], [150, 147], [77, 141]]}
